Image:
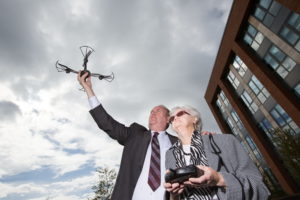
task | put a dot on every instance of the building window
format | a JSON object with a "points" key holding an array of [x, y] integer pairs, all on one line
{"points": [[237, 120], [291, 31], [294, 21], [267, 128], [266, 10], [233, 80], [279, 61], [230, 123], [297, 89], [271, 175], [253, 37], [289, 35], [220, 105], [224, 98], [258, 88], [240, 66], [283, 119], [249, 102], [253, 147], [250, 142]]}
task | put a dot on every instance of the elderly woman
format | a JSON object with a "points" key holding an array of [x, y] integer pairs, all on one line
{"points": [[228, 171]]}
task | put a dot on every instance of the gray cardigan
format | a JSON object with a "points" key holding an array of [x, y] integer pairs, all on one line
{"points": [[226, 155]]}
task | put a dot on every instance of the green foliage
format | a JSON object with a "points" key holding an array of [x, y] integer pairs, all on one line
{"points": [[288, 146], [104, 188]]}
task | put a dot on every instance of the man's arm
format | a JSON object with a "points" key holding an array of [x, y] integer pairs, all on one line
{"points": [[104, 121]]}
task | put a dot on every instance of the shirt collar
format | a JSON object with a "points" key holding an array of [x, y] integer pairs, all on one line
{"points": [[161, 133]]}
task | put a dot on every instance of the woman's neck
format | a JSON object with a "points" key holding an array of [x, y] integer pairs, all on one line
{"points": [[185, 135]]}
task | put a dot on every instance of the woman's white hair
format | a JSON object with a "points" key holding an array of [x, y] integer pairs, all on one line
{"points": [[193, 112]]}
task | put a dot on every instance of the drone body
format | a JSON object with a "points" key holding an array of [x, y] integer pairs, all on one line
{"points": [[86, 52]]}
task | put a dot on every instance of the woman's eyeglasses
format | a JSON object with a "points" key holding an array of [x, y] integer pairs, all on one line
{"points": [[179, 114]]}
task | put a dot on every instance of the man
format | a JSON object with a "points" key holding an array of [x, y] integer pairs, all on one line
{"points": [[142, 169]]}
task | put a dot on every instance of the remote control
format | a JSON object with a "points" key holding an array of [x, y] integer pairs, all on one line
{"points": [[182, 174]]}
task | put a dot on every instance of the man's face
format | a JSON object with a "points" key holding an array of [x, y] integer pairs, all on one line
{"points": [[158, 118]]}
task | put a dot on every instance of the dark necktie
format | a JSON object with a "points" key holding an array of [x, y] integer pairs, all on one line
{"points": [[154, 171]]}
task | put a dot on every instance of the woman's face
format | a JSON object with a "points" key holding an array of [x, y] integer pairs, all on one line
{"points": [[182, 119]]}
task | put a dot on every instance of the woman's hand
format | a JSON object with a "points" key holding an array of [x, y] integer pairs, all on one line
{"points": [[209, 178], [175, 189]]}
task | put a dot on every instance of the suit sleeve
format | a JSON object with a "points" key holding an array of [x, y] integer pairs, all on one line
{"points": [[112, 127], [245, 182]]}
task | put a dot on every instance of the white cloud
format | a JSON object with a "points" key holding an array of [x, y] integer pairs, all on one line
{"points": [[22, 189], [37, 139], [56, 190]]}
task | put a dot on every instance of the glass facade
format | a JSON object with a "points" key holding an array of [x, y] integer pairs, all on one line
{"points": [[297, 89], [291, 31], [284, 120], [277, 21], [253, 147], [253, 37], [271, 118], [233, 79], [269, 43], [248, 100], [267, 128], [240, 66], [279, 61], [285, 137], [260, 91], [238, 129], [266, 11]]}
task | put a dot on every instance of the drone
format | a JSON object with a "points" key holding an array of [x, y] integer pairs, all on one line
{"points": [[86, 51]]}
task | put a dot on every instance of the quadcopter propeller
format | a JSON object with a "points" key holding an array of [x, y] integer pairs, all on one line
{"points": [[86, 51]]}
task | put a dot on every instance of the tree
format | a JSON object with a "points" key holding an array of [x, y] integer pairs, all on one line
{"points": [[105, 186], [288, 146]]}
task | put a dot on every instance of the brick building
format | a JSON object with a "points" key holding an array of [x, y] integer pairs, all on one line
{"points": [[254, 89]]}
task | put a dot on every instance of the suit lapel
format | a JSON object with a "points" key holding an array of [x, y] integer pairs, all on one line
{"points": [[172, 138], [144, 145]]}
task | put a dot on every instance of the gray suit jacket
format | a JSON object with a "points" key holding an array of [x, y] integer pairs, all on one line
{"points": [[135, 140], [226, 155]]}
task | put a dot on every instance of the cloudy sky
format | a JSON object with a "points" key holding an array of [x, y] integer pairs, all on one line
{"points": [[161, 52]]}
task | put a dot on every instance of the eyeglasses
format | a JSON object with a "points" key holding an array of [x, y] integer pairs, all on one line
{"points": [[179, 114]]}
